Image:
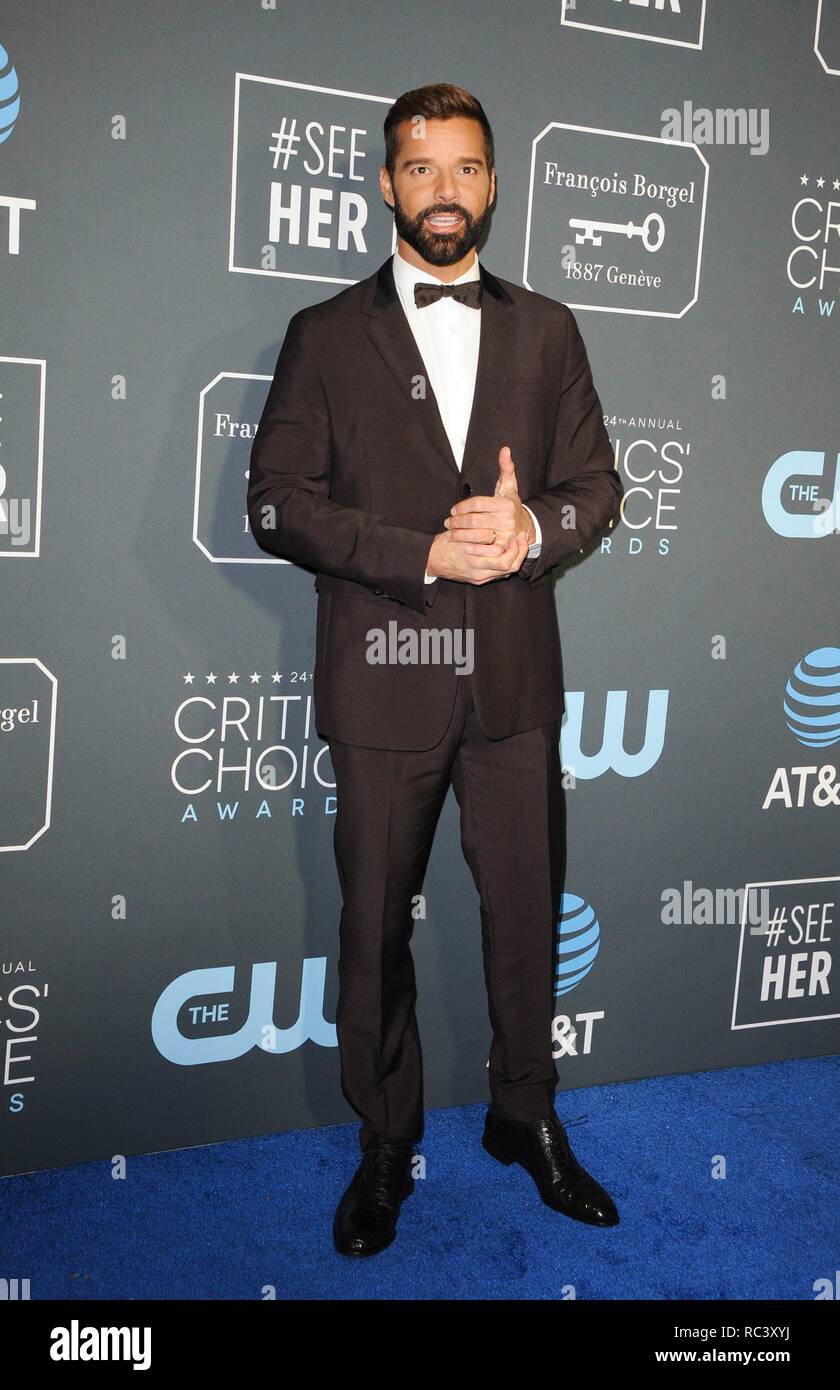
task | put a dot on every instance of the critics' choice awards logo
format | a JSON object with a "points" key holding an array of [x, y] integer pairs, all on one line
{"points": [[785, 967], [795, 505], [247, 747], [305, 199], [22, 999], [827, 36], [811, 708], [652, 460], [813, 261], [28, 694], [678, 22], [21, 454], [577, 941], [615, 221]]}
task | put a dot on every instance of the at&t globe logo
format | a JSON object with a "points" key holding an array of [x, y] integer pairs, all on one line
{"points": [[9, 98], [812, 713], [578, 940], [812, 698]]}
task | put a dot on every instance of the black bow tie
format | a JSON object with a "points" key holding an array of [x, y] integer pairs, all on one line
{"points": [[426, 293]]}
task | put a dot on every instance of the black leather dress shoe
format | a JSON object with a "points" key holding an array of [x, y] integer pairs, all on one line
{"points": [[366, 1217], [542, 1148]]}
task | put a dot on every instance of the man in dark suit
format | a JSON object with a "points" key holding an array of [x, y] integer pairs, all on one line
{"points": [[433, 446]]}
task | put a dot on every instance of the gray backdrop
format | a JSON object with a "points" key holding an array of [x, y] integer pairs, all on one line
{"points": [[176, 183]]}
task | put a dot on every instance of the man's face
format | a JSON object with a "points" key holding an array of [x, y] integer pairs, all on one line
{"points": [[442, 189]]}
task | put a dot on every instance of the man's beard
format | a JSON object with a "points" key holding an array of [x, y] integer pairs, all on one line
{"points": [[440, 248]]}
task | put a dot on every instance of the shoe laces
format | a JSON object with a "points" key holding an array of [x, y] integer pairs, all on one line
{"points": [[548, 1131], [379, 1167]]}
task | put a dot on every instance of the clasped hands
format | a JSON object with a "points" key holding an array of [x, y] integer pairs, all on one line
{"points": [[485, 538]]}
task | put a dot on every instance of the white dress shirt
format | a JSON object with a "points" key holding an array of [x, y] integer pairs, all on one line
{"points": [[447, 335]]}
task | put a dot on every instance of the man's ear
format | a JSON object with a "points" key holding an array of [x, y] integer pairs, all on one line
{"points": [[492, 188], [385, 187]]}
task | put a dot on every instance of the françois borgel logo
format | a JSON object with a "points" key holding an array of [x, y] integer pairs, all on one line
{"points": [[21, 454], [615, 220], [661, 21], [27, 745], [305, 199], [229, 409]]}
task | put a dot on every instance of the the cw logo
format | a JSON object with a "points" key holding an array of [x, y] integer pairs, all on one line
{"points": [[258, 1030], [14, 1289], [823, 514], [612, 753]]}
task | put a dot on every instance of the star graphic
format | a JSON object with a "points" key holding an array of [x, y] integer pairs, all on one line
{"points": [[276, 678], [188, 678], [211, 679], [804, 180], [820, 181], [255, 680], [232, 678]]}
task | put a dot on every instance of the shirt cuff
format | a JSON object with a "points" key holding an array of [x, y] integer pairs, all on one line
{"points": [[534, 549]]}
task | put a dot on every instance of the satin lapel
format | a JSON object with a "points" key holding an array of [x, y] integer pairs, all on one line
{"points": [[494, 357], [389, 329]]}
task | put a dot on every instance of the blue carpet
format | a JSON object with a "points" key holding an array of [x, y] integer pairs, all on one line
{"points": [[226, 1220]]}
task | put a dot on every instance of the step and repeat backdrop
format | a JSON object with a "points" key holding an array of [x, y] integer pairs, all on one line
{"points": [[175, 183]]}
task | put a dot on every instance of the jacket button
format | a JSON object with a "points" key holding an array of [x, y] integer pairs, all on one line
{"points": [[465, 489]]}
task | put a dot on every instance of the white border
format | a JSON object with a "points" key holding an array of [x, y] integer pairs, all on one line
{"points": [[771, 1022], [631, 34], [222, 559], [33, 661], [835, 72]]}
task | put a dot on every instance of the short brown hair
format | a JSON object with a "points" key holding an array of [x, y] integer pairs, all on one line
{"points": [[439, 102]]}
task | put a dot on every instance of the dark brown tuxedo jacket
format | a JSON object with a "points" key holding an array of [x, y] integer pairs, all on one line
{"points": [[352, 464]]}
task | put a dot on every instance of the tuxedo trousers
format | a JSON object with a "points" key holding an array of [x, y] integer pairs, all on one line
{"points": [[512, 828]]}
